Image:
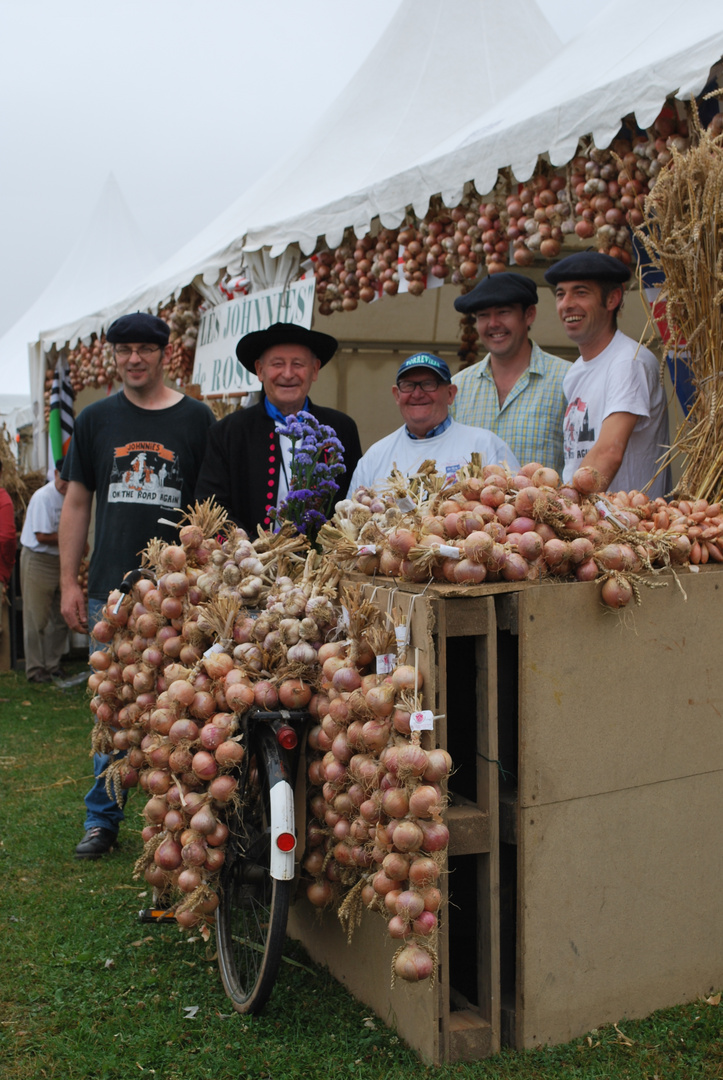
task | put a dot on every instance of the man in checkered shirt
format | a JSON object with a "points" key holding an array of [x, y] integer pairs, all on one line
{"points": [[516, 389]]}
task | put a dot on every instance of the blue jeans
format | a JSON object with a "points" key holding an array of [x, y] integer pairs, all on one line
{"points": [[100, 808]]}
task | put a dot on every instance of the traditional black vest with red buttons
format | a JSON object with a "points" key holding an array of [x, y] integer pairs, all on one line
{"points": [[243, 462]]}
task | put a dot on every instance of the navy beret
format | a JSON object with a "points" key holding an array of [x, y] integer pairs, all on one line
{"points": [[588, 266], [138, 328], [496, 290], [426, 360], [253, 345]]}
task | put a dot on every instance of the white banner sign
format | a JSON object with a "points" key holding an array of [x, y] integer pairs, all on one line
{"points": [[215, 368]]}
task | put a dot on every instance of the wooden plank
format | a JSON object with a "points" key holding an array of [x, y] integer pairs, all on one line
{"points": [[469, 829], [488, 876], [466, 616], [619, 906], [613, 700], [364, 967], [438, 588], [470, 1036]]}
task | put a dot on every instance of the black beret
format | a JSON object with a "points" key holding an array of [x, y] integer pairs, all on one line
{"points": [[588, 266], [253, 345], [496, 290], [138, 328]]}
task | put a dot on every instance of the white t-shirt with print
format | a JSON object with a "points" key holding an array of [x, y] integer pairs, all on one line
{"points": [[624, 377], [451, 450]]}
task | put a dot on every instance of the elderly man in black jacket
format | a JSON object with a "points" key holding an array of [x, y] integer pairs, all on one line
{"points": [[247, 463]]}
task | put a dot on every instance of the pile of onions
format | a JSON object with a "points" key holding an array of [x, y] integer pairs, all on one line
{"points": [[376, 801], [171, 705], [598, 195], [499, 527]]}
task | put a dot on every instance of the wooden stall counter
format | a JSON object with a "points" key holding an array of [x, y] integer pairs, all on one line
{"points": [[584, 866]]}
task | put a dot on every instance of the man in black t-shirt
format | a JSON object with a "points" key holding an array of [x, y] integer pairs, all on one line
{"points": [[139, 452]]}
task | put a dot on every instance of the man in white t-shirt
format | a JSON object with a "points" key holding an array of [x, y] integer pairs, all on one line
{"points": [[45, 634], [424, 391], [616, 418]]}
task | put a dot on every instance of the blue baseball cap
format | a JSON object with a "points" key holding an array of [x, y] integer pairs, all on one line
{"points": [[426, 360]]}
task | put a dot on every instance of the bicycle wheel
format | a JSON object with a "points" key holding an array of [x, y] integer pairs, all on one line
{"points": [[252, 915]]}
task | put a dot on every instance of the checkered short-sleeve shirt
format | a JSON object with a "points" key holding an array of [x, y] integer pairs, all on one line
{"points": [[530, 421]]}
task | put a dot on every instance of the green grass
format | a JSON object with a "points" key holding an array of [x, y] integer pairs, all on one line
{"points": [[89, 993]]}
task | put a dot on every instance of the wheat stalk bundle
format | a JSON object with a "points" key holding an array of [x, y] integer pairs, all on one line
{"points": [[682, 232]]}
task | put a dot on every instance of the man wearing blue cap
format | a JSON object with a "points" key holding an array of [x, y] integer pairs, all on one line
{"points": [[516, 389], [139, 452], [617, 418], [424, 391]]}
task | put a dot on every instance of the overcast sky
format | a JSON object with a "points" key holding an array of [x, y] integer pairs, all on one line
{"points": [[186, 104]]}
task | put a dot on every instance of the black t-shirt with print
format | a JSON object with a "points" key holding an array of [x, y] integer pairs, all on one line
{"points": [[142, 465]]}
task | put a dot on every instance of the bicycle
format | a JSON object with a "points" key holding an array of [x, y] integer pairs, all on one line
{"points": [[258, 874]]}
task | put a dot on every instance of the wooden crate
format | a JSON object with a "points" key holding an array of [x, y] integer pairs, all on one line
{"points": [[585, 867]]}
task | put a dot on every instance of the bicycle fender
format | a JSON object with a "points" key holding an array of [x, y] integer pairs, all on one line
{"points": [[282, 821]]}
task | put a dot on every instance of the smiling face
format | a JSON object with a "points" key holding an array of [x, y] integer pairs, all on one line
{"points": [[140, 366], [287, 372], [503, 330], [587, 316], [423, 408]]}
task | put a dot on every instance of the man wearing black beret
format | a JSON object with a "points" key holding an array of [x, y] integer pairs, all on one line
{"points": [[617, 418], [139, 452], [247, 463], [516, 389]]}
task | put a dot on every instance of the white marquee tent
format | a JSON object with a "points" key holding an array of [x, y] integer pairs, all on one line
{"points": [[412, 88], [453, 92], [377, 150], [108, 258]]}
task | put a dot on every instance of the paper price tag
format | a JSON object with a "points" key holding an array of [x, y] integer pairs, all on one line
{"points": [[367, 549], [401, 633], [422, 721], [405, 504], [450, 552], [217, 647], [606, 511], [386, 662]]}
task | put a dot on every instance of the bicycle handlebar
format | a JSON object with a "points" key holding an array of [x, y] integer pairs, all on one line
{"points": [[129, 581]]}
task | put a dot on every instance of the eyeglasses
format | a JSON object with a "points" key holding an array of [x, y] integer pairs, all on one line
{"points": [[124, 352], [408, 386]]}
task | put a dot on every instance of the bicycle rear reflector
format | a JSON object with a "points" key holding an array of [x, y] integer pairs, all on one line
{"points": [[287, 737], [286, 841]]}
